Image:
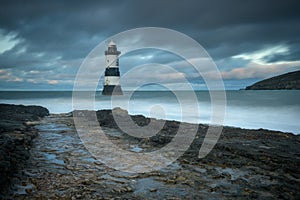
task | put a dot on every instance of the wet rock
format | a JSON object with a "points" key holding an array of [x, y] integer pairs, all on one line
{"points": [[153, 190], [244, 164], [16, 134]]}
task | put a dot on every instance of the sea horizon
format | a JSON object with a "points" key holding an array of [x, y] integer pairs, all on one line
{"points": [[252, 109]]}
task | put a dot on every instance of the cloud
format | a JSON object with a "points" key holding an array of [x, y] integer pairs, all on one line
{"points": [[2, 71], [261, 55], [44, 41], [260, 70], [7, 42], [53, 82], [7, 76]]}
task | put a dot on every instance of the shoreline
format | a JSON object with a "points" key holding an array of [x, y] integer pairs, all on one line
{"points": [[248, 109], [244, 163], [204, 124]]}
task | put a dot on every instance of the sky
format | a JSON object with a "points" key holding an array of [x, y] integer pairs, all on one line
{"points": [[43, 43]]}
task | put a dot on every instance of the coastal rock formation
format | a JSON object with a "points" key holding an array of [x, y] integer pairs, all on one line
{"points": [[245, 164], [16, 134], [288, 81]]}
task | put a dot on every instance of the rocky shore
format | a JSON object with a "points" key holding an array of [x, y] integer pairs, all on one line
{"points": [[245, 164], [16, 134]]}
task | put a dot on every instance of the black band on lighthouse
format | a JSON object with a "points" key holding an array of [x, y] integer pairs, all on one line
{"points": [[113, 71], [112, 90]]}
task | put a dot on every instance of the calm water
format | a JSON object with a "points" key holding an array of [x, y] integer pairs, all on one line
{"points": [[275, 110]]}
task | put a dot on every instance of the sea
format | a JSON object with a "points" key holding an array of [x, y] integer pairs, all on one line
{"points": [[252, 109]]}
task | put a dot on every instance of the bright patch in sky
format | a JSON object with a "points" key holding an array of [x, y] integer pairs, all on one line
{"points": [[146, 57], [7, 42], [258, 56], [53, 82]]}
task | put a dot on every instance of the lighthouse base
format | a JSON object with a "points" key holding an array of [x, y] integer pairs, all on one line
{"points": [[112, 90]]}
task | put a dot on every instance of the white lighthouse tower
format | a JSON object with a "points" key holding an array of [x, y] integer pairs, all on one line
{"points": [[112, 73]]}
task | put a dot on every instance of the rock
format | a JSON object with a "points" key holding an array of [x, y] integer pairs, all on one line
{"points": [[153, 190], [128, 189], [16, 135], [240, 166], [180, 178]]}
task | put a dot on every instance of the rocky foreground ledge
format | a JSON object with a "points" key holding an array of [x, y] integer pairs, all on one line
{"points": [[16, 134], [245, 164]]}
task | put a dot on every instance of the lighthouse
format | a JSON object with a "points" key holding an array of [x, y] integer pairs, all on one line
{"points": [[112, 73]]}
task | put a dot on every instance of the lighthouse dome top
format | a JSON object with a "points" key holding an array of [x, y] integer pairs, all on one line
{"points": [[111, 43], [112, 49]]}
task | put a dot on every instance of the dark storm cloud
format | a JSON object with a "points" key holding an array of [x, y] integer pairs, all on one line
{"points": [[56, 32], [235, 26], [70, 27]]}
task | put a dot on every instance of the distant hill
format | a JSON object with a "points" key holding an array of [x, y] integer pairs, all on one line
{"points": [[288, 81]]}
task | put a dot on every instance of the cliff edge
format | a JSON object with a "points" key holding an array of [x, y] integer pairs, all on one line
{"points": [[288, 81]]}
